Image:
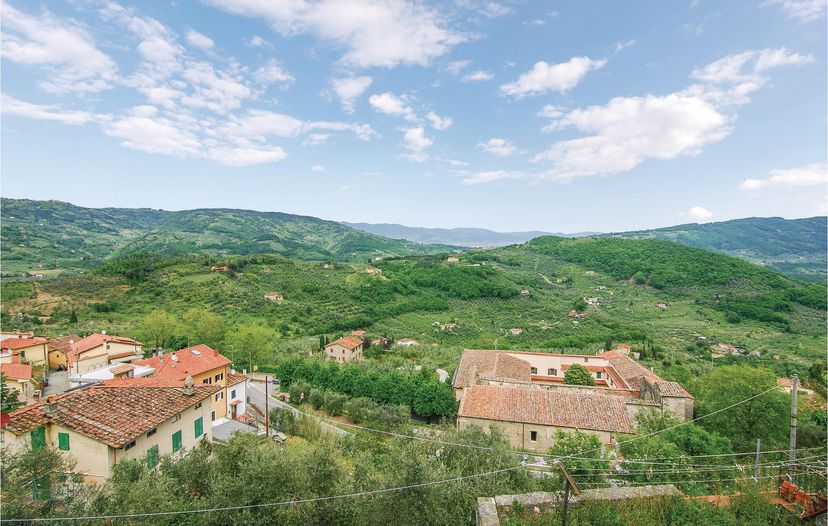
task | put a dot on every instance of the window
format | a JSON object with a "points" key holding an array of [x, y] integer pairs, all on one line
{"points": [[177, 417], [219, 395], [107, 346], [598, 374], [130, 445], [152, 456], [198, 405], [208, 381], [152, 432], [38, 438], [212, 415], [63, 441], [533, 370], [533, 436], [199, 427], [176, 441], [233, 393], [586, 359], [219, 377]]}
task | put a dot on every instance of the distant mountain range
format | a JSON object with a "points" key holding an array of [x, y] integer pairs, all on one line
{"points": [[795, 247], [39, 236], [461, 237]]}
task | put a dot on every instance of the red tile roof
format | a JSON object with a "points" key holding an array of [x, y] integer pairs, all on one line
{"points": [[97, 339], [349, 342], [114, 412], [115, 356], [64, 343], [489, 364], [547, 407], [190, 361], [15, 344], [121, 369], [16, 371], [235, 378]]}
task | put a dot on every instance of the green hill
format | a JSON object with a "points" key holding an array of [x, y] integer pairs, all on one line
{"points": [[795, 247], [43, 237], [671, 301]]}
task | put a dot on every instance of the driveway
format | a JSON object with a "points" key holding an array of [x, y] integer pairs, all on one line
{"points": [[58, 383]]}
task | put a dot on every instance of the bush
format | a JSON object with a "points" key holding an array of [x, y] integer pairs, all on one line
{"points": [[299, 392], [334, 403], [578, 375], [317, 398]]}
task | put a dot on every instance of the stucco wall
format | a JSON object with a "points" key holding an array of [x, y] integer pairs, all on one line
{"points": [[117, 348], [241, 395], [341, 354], [519, 434], [220, 405]]}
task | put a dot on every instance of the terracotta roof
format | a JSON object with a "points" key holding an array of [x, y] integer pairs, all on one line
{"points": [[665, 388], [631, 371], [189, 361], [358, 332], [489, 364], [15, 344], [114, 412], [121, 369], [117, 355], [63, 344], [349, 342], [16, 371], [98, 339], [548, 407], [235, 378]]}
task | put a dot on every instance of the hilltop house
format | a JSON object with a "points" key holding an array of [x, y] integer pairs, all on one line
{"points": [[274, 296], [452, 259], [97, 350], [117, 420], [515, 331], [345, 349], [24, 349], [523, 394], [359, 333], [19, 377], [374, 271], [203, 364], [406, 342]]}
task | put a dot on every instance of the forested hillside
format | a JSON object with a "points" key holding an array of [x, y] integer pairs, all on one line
{"points": [[48, 237]]}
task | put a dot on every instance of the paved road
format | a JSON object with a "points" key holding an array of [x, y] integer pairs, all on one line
{"points": [[58, 383], [256, 393]]}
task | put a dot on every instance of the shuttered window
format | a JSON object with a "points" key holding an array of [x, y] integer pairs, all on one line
{"points": [[176, 441], [39, 438], [63, 441], [152, 456], [199, 427]]}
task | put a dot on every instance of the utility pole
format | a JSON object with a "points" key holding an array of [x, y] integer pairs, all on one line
{"points": [[794, 392], [756, 465], [569, 483], [267, 410]]}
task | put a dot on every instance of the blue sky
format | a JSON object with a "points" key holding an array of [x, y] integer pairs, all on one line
{"points": [[559, 116]]}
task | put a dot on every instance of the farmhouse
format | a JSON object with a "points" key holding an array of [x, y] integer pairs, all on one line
{"points": [[97, 350], [345, 349], [452, 259], [359, 333], [515, 331], [58, 349], [118, 420], [523, 393], [374, 271], [24, 349], [19, 377], [406, 342], [274, 296]]}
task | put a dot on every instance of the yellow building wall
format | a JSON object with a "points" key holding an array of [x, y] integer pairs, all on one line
{"points": [[56, 359], [91, 360], [116, 348], [36, 355], [220, 405]]}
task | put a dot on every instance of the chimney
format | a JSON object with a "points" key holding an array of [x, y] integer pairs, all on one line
{"points": [[188, 386], [50, 409]]}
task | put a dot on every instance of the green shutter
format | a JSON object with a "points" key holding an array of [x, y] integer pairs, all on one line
{"points": [[152, 456], [39, 438], [41, 488], [176, 439], [199, 427], [63, 441]]}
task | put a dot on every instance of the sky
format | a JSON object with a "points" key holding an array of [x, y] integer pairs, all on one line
{"points": [[563, 116]]}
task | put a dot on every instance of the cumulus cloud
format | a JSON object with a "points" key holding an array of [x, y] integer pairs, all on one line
{"points": [[50, 112], [699, 214], [498, 147], [390, 104], [64, 47], [545, 77], [457, 66], [478, 76], [438, 122], [374, 33], [626, 131], [809, 175], [802, 10], [416, 143], [271, 73], [196, 39], [257, 41], [349, 89]]}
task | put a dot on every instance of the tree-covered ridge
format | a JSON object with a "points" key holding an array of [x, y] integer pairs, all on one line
{"points": [[43, 236], [795, 247]]}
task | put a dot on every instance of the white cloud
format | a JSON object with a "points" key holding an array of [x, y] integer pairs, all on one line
{"points": [[629, 130], [620, 46], [498, 147], [318, 168], [316, 138], [438, 122], [809, 175], [535, 22], [271, 73], [699, 214], [491, 176], [349, 89], [203, 42], [390, 104], [545, 77], [477, 76], [375, 33], [457, 66], [803, 10], [246, 156], [257, 41], [152, 134], [51, 112], [65, 48], [416, 143]]}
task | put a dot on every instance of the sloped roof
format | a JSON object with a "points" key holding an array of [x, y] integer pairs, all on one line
{"points": [[64, 343], [114, 412], [16, 371], [235, 378], [665, 388], [349, 342], [187, 362], [548, 407], [98, 339], [15, 344], [631, 371], [489, 364]]}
